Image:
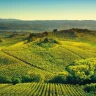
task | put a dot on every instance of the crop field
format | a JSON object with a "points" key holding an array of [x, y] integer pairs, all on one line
{"points": [[12, 67], [47, 65], [54, 58], [41, 89]]}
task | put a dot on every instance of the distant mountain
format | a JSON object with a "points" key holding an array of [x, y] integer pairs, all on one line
{"points": [[45, 25], [8, 20]]}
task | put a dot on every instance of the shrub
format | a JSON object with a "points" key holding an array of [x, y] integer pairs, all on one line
{"points": [[26, 78], [16, 80], [56, 42], [31, 78], [5, 79], [46, 40], [58, 79], [0, 40], [35, 77], [31, 37], [90, 87], [55, 30]]}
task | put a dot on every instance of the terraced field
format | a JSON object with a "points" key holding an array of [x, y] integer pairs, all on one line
{"points": [[41, 89]]}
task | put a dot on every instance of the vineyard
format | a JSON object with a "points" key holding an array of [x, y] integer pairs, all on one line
{"points": [[12, 67], [41, 89], [53, 63], [50, 58]]}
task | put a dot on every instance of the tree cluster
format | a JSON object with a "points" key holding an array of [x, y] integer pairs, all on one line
{"points": [[80, 72], [24, 78], [34, 36]]}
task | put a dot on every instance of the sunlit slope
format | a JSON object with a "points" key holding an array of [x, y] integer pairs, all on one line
{"points": [[53, 57], [11, 38], [12, 67]]}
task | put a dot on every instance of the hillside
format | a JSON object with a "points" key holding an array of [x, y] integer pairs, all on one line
{"points": [[65, 56]]}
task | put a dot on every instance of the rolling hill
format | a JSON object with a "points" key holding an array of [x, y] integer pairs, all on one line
{"points": [[47, 56]]}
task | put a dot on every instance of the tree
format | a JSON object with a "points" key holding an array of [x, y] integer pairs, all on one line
{"points": [[55, 30], [35, 77], [26, 78], [59, 79], [31, 37], [1, 39], [16, 80], [5, 79], [45, 40]]}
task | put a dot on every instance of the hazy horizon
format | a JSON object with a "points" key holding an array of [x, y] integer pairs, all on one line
{"points": [[48, 10]]}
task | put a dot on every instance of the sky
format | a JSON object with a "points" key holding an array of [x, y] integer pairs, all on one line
{"points": [[48, 9]]}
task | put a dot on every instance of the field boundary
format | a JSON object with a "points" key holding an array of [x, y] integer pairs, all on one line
{"points": [[23, 61]]}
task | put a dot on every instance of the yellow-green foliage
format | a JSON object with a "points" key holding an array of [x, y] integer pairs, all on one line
{"points": [[12, 67], [49, 56], [52, 59], [84, 69]]}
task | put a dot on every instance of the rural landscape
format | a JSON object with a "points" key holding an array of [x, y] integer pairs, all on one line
{"points": [[49, 63], [47, 47]]}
